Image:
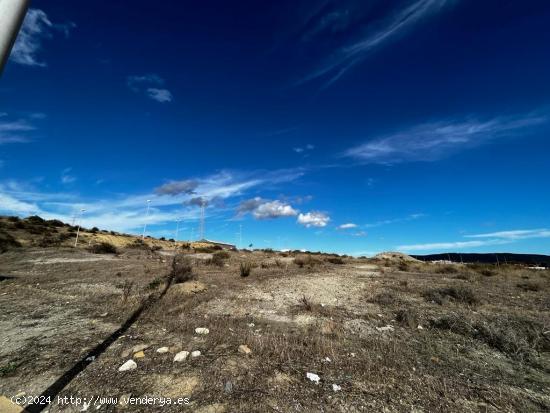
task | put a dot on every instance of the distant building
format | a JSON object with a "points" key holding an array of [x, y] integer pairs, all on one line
{"points": [[222, 245]]}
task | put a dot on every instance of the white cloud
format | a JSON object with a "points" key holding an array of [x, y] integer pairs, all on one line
{"points": [[36, 27], [389, 28], [160, 95], [11, 205], [347, 226], [433, 141], [127, 213], [274, 209], [266, 209], [148, 84], [313, 219]]}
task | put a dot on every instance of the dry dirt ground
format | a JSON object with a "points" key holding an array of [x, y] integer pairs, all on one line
{"points": [[380, 335]]}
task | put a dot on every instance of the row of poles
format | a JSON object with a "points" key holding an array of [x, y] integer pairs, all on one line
{"points": [[78, 219]]}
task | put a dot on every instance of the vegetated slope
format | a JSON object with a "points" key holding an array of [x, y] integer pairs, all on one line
{"points": [[510, 258]]}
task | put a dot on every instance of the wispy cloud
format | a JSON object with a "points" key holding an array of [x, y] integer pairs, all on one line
{"points": [[35, 29], [15, 130], [489, 239], [186, 186], [349, 225], [126, 212], [302, 149], [150, 85], [67, 177], [517, 234], [369, 38], [314, 219], [436, 140], [410, 217]]}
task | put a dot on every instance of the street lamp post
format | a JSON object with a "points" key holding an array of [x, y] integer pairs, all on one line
{"points": [[146, 216], [82, 210]]}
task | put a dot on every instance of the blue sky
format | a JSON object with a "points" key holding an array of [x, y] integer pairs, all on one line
{"points": [[350, 126]]}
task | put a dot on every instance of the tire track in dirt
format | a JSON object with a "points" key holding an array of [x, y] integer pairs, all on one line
{"points": [[54, 389]]}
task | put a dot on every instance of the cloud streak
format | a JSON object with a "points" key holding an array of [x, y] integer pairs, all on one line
{"points": [[35, 29], [436, 140], [482, 240], [375, 35], [15, 131]]}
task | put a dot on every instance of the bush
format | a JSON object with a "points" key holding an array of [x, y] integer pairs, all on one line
{"points": [[182, 269], [403, 266], [55, 223], [460, 294], [154, 284], [103, 248], [208, 250], [245, 269], [306, 260], [7, 242], [94, 230], [447, 269], [385, 298], [14, 219], [529, 286], [156, 248], [407, 317], [218, 258], [335, 260], [138, 243], [35, 219]]}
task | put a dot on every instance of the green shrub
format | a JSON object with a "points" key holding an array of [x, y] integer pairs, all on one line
{"points": [[155, 283], [335, 260]]}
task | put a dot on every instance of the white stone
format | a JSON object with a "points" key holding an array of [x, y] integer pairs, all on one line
{"points": [[195, 353], [313, 377], [385, 328], [162, 350], [420, 327], [181, 356], [202, 330], [244, 349], [129, 365], [335, 387]]}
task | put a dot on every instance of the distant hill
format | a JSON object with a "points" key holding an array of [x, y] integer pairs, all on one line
{"points": [[530, 259]]}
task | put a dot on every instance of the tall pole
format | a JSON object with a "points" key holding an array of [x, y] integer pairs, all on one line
{"points": [[79, 224], [240, 236], [177, 230], [146, 216], [201, 227], [12, 13]]}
